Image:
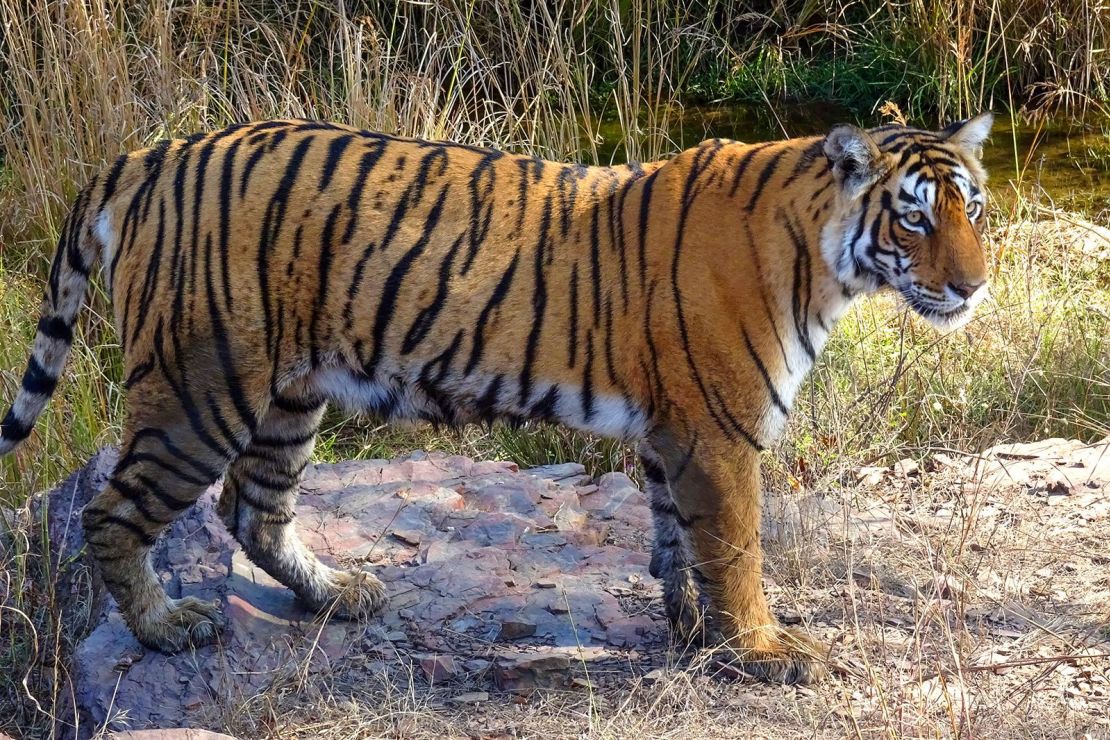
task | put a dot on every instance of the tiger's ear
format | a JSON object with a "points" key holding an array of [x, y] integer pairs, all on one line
{"points": [[856, 160], [969, 134]]}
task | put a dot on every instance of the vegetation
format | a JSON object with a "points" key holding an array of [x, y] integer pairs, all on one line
{"points": [[81, 82]]}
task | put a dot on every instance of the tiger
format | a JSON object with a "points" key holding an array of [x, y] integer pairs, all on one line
{"points": [[263, 271]]}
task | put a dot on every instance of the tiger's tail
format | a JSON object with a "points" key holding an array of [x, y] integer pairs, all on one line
{"points": [[65, 295]]}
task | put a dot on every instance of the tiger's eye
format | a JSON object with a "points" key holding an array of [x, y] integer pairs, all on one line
{"points": [[974, 209], [914, 217]]}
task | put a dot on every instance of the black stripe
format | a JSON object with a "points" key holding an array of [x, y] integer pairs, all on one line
{"points": [[55, 327], [763, 371], [111, 180], [595, 263], [645, 204], [323, 272], [539, 304], [159, 435], [226, 173], [616, 235], [763, 295], [185, 398], [135, 529], [141, 371], [265, 506], [297, 405], [495, 300], [135, 495], [423, 322], [331, 162], [482, 186], [392, 287], [572, 339], [487, 402], [12, 429], [275, 484], [263, 440], [354, 198], [588, 379], [810, 154], [653, 471], [252, 162], [801, 285], [745, 160], [413, 194], [151, 283], [134, 458], [271, 228], [765, 176], [37, 380], [223, 349], [544, 408]]}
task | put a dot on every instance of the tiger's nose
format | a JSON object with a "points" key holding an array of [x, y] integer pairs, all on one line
{"points": [[966, 290]]}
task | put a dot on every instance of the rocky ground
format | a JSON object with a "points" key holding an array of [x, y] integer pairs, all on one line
{"points": [[959, 595]]}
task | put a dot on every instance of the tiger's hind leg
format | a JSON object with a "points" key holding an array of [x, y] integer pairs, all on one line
{"points": [[257, 505], [671, 554], [172, 450]]}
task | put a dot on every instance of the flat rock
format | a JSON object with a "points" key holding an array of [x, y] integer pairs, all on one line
{"points": [[461, 546], [1049, 467]]}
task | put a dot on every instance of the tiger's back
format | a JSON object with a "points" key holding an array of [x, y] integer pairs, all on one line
{"points": [[405, 278]]}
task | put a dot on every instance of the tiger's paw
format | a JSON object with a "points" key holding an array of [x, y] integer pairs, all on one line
{"points": [[353, 594], [177, 624], [776, 655]]}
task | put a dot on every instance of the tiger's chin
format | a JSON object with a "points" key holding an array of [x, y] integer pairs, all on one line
{"points": [[945, 319], [949, 321]]}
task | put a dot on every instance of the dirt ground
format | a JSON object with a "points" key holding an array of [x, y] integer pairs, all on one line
{"points": [[959, 596]]}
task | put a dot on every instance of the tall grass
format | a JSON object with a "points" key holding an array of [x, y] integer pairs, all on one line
{"points": [[950, 59]]}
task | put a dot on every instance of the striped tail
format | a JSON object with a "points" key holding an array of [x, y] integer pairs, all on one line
{"points": [[65, 295]]}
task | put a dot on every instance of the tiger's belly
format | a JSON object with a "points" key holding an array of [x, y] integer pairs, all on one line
{"points": [[413, 394]]}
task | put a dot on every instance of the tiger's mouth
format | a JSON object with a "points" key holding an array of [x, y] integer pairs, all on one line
{"points": [[943, 318]]}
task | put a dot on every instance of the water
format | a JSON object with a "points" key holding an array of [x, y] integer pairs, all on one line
{"points": [[1063, 163]]}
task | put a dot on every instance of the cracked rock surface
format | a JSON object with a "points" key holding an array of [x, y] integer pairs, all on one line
{"points": [[521, 579]]}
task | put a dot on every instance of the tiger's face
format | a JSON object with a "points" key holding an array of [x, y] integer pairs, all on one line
{"points": [[914, 216]]}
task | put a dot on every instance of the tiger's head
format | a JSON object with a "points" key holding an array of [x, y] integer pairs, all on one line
{"points": [[912, 206]]}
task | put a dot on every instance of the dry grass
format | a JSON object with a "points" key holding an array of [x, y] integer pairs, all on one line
{"points": [[84, 81]]}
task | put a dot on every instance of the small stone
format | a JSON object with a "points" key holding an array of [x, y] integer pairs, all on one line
{"points": [[409, 536], [907, 468], [947, 587], [1056, 483], [531, 671], [437, 667], [547, 583], [396, 636], [870, 476], [472, 697], [513, 629]]}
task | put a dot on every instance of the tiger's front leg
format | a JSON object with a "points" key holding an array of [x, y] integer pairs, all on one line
{"points": [[716, 486]]}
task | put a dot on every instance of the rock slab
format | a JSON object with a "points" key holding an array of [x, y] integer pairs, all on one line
{"points": [[512, 578]]}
